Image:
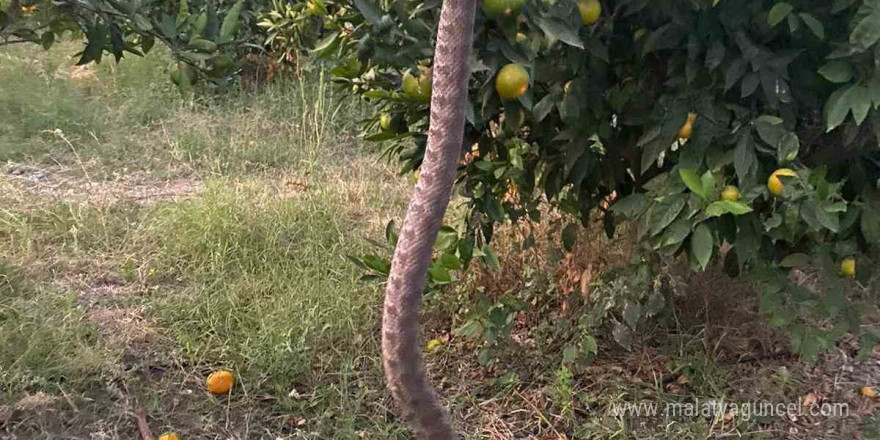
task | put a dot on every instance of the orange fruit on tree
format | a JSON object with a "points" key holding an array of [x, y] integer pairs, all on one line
{"points": [[418, 88], [169, 436], [590, 11], [730, 193], [512, 81], [220, 381], [774, 183], [686, 130], [848, 267], [521, 38]]}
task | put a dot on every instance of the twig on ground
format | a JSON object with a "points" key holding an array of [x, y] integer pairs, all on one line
{"points": [[141, 416]]}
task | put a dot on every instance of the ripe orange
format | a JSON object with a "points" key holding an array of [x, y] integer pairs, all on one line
{"points": [[686, 130], [220, 382], [512, 81], [730, 193], [501, 8], [774, 184], [169, 436], [590, 11], [848, 267]]}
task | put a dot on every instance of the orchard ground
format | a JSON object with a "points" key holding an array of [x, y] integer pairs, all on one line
{"points": [[146, 240]]}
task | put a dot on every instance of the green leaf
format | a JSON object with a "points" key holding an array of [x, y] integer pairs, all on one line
{"points": [[569, 236], [230, 22], [702, 245], [815, 25], [745, 161], [867, 32], [837, 107], [692, 181], [439, 274], [795, 260], [490, 258], [656, 302], [630, 206], [494, 209], [788, 147], [836, 71], [142, 24], [589, 345], [622, 335], [722, 207], [47, 39], [391, 233], [675, 234], [370, 11], [817, 218], [708, 182], [450, 261], [471, 329], [736, 71], [559, 30], [447, 238], [778, 13], [666, 212], [182, 13], [871, 224], [860, 103], [378, 264], [632, 313], [327, 45], [97, 38]]}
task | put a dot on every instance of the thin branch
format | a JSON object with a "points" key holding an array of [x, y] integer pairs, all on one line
{"points": [[8, 42]]}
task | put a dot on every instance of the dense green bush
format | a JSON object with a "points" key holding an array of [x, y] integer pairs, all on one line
{"points": [[678, 113]]}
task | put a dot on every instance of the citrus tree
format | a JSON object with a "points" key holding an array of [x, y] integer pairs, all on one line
{"points": [[207, 38], [746, 125]]}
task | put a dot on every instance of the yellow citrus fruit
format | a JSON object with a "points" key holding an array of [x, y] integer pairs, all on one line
{"points": [[521, 38], [774, 183], [417, 88], [169, 436], [433, 344], [637, 35], [686, 130], [501, 8], [868, 392], [590, 11], [730, 193], [848, 267], [512, 81], [220, 382], [385, 121]]}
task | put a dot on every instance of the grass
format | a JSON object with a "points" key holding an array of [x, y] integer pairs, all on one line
{"points": [[146, 240]]}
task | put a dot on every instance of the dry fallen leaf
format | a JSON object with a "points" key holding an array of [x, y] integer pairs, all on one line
{"points": [[682, 380], [809, 400]]}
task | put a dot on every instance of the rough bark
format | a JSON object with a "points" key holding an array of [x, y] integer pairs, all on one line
{"points": [[401, 354]]}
